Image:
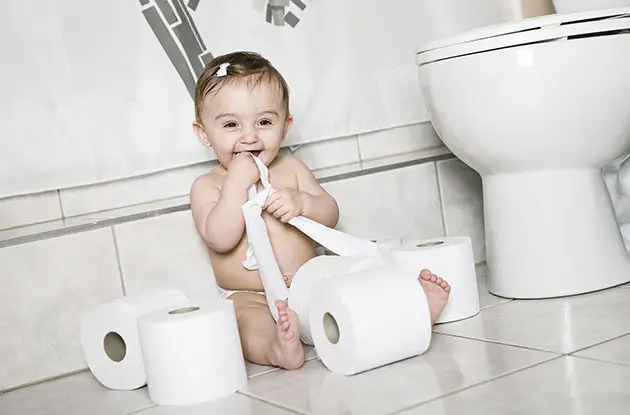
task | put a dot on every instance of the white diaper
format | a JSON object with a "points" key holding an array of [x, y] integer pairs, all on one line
{"points": [[227, 293]]}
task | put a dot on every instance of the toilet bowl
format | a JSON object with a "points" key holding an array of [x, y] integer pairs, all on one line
{"points": [[537, 107]]}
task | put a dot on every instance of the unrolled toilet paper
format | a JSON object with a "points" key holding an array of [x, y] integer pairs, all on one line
{"points": [[452, 259], [317, 269], [370, 318], [192, 354], [110, 341], [260, 254]]}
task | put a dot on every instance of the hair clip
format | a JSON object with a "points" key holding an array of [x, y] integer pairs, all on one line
{"points": [[222, 69]]}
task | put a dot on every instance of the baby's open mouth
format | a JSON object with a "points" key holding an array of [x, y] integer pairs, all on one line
{"points": [[254, 152]]}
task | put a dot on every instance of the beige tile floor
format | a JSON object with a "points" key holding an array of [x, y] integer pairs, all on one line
{"points": [[559, 356]]}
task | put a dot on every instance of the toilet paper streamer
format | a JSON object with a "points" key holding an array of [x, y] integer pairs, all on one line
{"points": [[317, 269], [193, 354], [452, 259], [370, 318], [110, 341], [260, 253]]}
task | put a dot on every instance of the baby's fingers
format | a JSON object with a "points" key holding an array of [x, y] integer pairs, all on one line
{"points": [[287, 216], [281, 212], [274, 197], [273, 207]]}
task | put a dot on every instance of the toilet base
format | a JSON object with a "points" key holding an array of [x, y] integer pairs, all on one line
{"points": [[551, 233]]}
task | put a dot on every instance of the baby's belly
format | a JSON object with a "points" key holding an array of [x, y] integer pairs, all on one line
{"points": [[291, 247]]}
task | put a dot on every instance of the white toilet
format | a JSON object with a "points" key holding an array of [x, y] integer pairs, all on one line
{"points": [[537, 107]]}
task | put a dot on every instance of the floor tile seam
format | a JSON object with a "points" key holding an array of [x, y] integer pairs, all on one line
{"points": [[256, 375], [504, 301], [599, 343], [474, 385], [600, 360], [45, 380], [135, 411], [276, 404], [275, 369], [519, 346]]}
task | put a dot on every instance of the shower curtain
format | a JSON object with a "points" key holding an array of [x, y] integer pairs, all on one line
{"points": [[100, 90]]}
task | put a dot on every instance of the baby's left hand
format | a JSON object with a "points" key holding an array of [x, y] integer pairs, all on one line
{"points": [[284, 204]]}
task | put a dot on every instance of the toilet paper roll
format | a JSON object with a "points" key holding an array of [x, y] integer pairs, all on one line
{"points": [[452, 259], [192, 354], [317, 269], [109, 337], [369, 318]]}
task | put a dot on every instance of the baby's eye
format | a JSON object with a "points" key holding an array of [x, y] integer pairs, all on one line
{"points": [[264, 123], [230, 124]]}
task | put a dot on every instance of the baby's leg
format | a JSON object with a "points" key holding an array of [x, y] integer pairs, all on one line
{"points": [[264, 341], [436, 290]]}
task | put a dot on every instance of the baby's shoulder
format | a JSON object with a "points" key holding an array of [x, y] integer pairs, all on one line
{"points": [[211, 180], [288, 163]]}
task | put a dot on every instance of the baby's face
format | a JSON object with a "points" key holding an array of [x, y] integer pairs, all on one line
{"points": [[239, 118]]}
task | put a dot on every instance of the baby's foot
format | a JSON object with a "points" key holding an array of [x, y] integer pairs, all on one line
{"points": [[288, 347], [436, 290]]}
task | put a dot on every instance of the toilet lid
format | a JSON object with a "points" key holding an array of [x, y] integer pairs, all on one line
{"points": [[534, 30]]}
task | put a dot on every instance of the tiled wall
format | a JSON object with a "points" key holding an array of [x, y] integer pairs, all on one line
{"points": [[47, 285]]}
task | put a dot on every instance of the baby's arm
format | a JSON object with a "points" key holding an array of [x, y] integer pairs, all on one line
{"points": [[217, 211], [309, 199], [317, 203]]}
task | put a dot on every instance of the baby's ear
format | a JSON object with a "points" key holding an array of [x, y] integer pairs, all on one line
{"points": [[287, 126], [201, 134]]}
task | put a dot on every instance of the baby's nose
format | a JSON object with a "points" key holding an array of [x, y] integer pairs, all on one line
{"points": [[249, 137]]}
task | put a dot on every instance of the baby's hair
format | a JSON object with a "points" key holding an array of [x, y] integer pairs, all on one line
{"points": [[249, 66]]}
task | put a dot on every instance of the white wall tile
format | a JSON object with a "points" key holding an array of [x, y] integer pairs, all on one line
{"points": [[462, 200], [333, 171], [165, 252], [329, 153], [401, 158], [47, 286], [390, 204], [28, 209], [131, 191], [399, 140]]}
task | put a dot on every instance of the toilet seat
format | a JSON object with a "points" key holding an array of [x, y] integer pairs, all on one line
{"points": [[536, 30]]}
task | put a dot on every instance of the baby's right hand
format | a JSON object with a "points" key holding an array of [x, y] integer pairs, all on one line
{"points": [[243, 169]]}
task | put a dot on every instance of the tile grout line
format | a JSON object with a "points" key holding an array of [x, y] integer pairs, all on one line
{"points": [[356, 140], [45, 380], [387, 167], [68, 230], [63, 214], [19, 240], [277, 405], [504, 301], [440, 197], [137, 411], [120, 270], [503, 344], [510, 373], [599, 360], [599, 344]]}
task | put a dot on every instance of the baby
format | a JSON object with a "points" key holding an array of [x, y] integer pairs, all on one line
{"points": [[242, 109]]}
